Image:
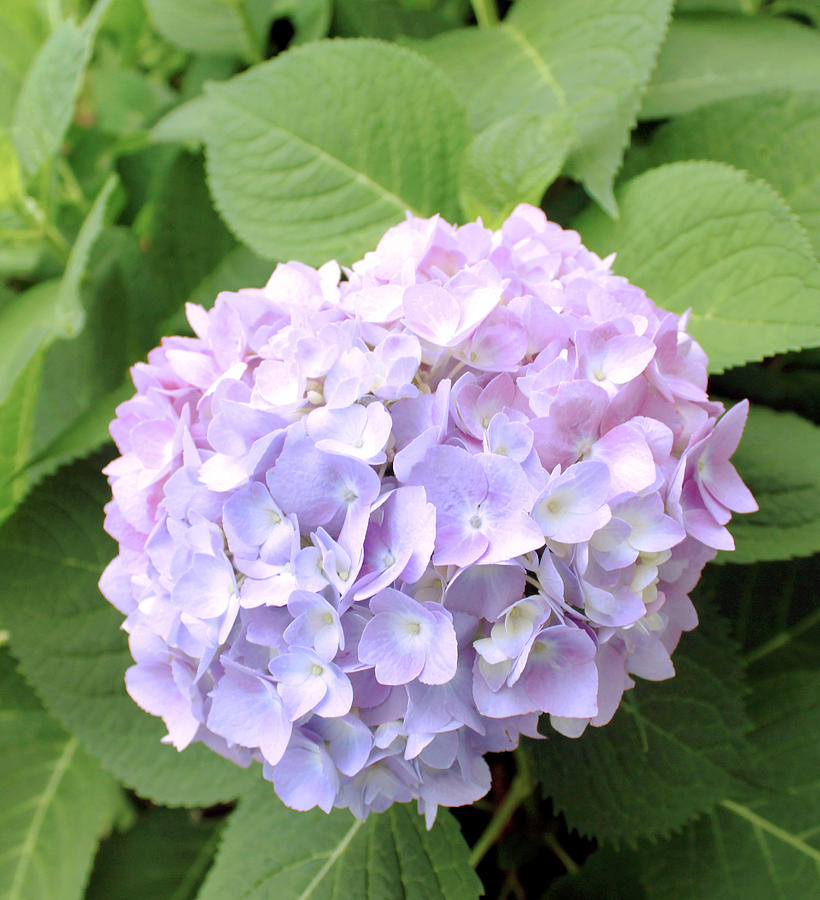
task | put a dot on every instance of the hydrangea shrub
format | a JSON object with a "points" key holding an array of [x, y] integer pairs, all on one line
{"points": [[421, 536], [371, 527]]}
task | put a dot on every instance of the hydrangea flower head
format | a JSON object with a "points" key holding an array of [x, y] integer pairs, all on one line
{"points": [[374, 527]]}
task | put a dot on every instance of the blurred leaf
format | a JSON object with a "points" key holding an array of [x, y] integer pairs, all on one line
{"points": [[808, 8], [124, 100], [779, 459], [745, 7], [57, 801], [310, 18], [701, 235], [164, 855], [773, 136], [11, 190], [180, 238], [606, 875], [705, 59], [48, 94], [499, 172], [52, 552], [32, 324], [389, 855], [23, 25], [387, 19], [587, 58], [186, 124], [239, 268], [303, 182], [768, 845], [225, 27], [673, 749]]}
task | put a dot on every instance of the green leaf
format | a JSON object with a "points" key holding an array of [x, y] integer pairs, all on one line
{"points": [[17, 424], [808, 8], [337, 856], [673, 749], [499, 171], [774, 136], [705, 59], [239, 268], [225, 27], [180, 238], [23, 25], [41, 379], [57, 801], [772, 608], [587, 58], [186, 124], [387, 19], [48, 94], [52, 552], [768, 845], [310, 18], [704, 236], [314, 154], [11, 188], [164, 855], [779, 459]]}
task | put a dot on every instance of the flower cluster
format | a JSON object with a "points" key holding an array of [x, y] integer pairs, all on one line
{"points": [[373, 528]]}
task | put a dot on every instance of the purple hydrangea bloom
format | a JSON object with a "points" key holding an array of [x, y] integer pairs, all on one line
{"points": [[371, 529]]}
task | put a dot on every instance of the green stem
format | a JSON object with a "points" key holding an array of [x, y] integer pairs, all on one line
{"points": [[520, 789], [254, 54], [485, 13], [567, 861], [783, 638]]}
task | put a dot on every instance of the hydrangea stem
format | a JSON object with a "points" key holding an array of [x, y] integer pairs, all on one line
{"points": [[485, 13], [520, 789]]}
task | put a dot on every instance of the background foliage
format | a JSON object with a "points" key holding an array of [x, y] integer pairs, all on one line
{"points": [[155, 151]]}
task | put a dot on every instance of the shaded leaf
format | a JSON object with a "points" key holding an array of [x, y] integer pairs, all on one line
{"points": [[673, 749], [707, 58], [57, 800], [337, 856], [779, 459], [704, 236], [769, 845], [339, 140], [226, 27], [52, 552], [47, 96], [164, 855]]}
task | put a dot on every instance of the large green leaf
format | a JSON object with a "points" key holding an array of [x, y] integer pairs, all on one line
{"points": [[314, 154], [673, 749], [23, 25], [587, 58], [779, 459], [225, 27], [52, 552], [272, 851], [704, 236], [766, 846], [46, 101], [709, 58], [772, 608], [165, 855], [57, 800], [774, 136]]}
